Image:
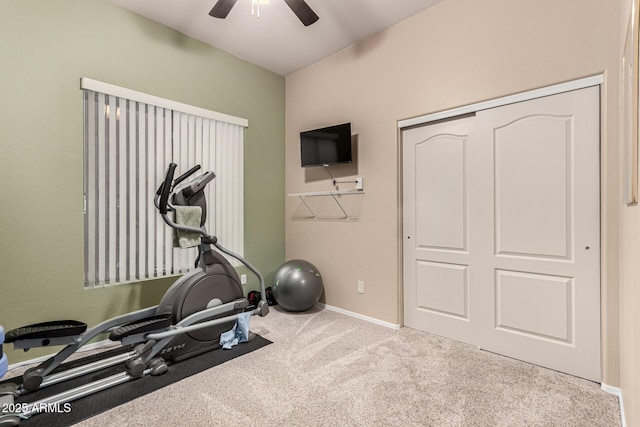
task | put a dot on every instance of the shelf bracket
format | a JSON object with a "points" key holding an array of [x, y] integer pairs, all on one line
{"points": [[313, 214], [334, 195], [339, 205]]}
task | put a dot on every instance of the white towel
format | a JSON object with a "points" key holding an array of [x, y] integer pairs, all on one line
{"points": [[191, 217]]}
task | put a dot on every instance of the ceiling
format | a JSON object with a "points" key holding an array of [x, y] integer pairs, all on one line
{"points": [[277, 40]]}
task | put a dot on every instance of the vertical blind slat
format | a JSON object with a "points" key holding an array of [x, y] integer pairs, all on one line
{"points": [[208, 150], [191, 160], [184, 165], [101, 245], [159, 239], [112, 260], [168, 155], [122, 189], [238, 213], [132, 262], [149, 181], [175, 154], [142, 177]]}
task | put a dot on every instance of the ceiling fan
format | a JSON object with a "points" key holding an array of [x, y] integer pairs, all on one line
{"points": [[302, 10]]}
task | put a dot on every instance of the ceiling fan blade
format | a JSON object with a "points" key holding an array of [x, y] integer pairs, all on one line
{"points": [[302, 10], [222, 8]]}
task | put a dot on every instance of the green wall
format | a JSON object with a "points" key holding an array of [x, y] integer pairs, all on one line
{"points": [[45, 48]]}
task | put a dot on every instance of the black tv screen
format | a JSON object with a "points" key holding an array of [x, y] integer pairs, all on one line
{"points": [[326, 146]]}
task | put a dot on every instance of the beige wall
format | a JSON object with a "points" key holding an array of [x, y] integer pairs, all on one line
{"points": [[629, 289], [456, 53]]}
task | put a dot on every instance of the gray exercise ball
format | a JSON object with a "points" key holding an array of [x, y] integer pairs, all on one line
{"points": [[297, 285]]}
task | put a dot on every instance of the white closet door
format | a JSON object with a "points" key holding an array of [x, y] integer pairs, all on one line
{"points": [[502, 231], [439, 241], [540, 275]]}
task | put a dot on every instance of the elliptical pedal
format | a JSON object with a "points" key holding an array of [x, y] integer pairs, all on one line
{"points": [[55, 329], [149, 324], [58, 332]]}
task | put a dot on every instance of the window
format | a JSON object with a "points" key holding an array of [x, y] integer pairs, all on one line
{"points": [[129, 140]]}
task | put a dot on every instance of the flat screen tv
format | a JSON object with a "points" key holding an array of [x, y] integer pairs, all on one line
{"points": [[326, 146]]}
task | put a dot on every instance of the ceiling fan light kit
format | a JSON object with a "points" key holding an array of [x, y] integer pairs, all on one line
{"points": [[300, 8]]}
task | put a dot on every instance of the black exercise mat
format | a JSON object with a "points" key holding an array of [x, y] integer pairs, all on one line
{"points": [[95, 404]]}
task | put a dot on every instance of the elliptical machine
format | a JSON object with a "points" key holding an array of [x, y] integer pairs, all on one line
{"points": [[189, 319]]}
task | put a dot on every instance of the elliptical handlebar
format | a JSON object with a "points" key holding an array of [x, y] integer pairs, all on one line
{"points": [[169, 185], [186, 175], [165, 188]]}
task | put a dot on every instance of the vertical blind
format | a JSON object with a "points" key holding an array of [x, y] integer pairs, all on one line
{"points": [[128, 145]]}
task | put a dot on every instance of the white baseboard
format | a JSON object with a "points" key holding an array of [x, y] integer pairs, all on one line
{"points": [[359, 316], [616, 391], [88, 347]]}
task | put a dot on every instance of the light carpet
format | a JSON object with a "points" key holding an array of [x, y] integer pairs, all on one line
{"points": [[328, 369]]}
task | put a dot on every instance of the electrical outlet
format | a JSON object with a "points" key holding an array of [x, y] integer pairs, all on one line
{"points": [[359, 184], [360, 287], [243, 279]]}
